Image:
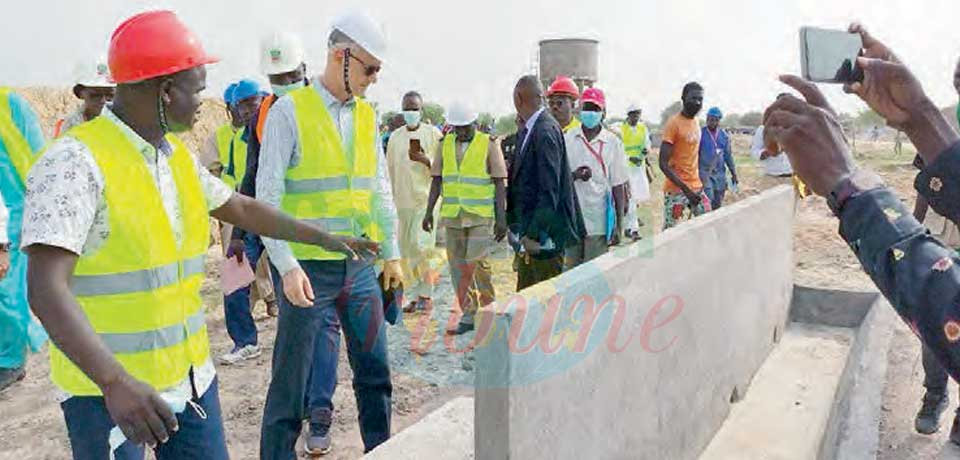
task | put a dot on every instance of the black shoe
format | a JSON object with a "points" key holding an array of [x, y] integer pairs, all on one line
{"points": [[928, 419], [10, 376], [461, 329], [955, 430]]}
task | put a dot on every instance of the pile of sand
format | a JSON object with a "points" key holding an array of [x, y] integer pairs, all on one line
{"points": [[52, 104]]}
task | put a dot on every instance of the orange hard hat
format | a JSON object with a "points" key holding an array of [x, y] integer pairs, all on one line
{"points": [[563, 86], [154, 44]]}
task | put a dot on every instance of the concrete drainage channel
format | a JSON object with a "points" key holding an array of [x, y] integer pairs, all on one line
{"points": [[636, 357], [818, 394]]}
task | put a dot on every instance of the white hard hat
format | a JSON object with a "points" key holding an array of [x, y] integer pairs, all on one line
{"points": [[364, 30], [633, 107], [460, 115], [96, 75], [280, 52]]}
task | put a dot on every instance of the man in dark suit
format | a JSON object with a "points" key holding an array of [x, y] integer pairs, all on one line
{"points": [[542, 209]]}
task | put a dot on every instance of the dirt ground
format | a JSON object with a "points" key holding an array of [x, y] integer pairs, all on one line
{"points": [[31, 426]]}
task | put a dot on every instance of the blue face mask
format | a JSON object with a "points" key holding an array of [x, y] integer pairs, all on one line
{"points": [[591, 120], [282, 90], [412, 117]]}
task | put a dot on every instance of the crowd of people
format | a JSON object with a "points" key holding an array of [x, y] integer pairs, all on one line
{"points": [[329, 215]]}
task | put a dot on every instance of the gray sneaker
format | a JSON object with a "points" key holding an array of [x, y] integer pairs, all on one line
{"points": [[318, 443]]}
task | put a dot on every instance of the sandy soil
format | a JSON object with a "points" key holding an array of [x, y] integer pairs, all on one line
{"points": [[31, 426]]}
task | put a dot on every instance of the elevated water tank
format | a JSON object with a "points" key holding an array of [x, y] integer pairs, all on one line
{"points": [[576, 58]]}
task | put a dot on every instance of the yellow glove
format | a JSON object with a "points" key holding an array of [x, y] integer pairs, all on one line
{"points": [[392, 274]]}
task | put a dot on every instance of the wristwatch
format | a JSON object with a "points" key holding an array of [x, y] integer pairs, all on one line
{"points": [[855, 184], [4, 247]]}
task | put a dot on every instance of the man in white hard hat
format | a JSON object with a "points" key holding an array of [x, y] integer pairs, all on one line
{"points": [[282, 60], [410, 150], [636, 144], [471, 175], [321, 159], [95, 88]]}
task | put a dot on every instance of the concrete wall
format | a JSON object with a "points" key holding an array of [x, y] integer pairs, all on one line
{"points": [[666, 393], [444, 434]]}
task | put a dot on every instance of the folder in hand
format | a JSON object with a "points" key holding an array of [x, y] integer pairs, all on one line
{"points": [[235, 275]]}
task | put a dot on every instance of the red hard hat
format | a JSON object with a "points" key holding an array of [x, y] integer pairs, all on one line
{"points": [[563, 86], [154, 44], [594, 95]]}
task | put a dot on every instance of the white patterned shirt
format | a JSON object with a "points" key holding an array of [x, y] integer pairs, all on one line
{"points": [[65, 206]]}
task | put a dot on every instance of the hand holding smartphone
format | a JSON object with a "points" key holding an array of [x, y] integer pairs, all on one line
{"points": [[830, 56], [416, 150]]}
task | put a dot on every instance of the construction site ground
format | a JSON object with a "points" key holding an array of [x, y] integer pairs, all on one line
{"points": [[32, 428]]}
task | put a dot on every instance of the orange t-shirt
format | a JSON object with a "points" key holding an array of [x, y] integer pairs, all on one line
{"points": [[684, 134]]}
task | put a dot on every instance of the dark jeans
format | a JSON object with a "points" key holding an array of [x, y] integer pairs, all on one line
{"points": [[238, 312], [935, 376], [89, 425], [307, 349], [537, 270]]}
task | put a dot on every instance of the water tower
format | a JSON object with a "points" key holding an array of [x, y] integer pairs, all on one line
{"points": [[576, 58]]}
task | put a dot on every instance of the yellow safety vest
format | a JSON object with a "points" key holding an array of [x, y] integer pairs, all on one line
{"points": [[634, 139], [140, 291], [574, 123], [228, 139], [21, 155], [327, 188], [467, 186]]}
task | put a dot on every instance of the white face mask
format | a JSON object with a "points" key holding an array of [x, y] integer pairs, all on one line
{"points": [[412, 118], [282, 90]]}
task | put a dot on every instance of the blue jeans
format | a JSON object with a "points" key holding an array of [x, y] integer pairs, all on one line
{"points": [[89, 425], [237, 309], [715, 187], [307, 349]]}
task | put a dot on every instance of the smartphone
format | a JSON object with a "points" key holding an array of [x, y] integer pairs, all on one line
{"points": [[415, 145], [830, 56]]}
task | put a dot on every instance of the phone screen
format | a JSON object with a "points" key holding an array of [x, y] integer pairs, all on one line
{"points": [[415, 145], [830, 56]]}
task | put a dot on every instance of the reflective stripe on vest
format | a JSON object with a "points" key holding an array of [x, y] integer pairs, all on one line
{"points": [[138, 281], [328, 184], [328, 187], [21, 155], [634, 139], [156, 339], [467, 185], [140, 291]]}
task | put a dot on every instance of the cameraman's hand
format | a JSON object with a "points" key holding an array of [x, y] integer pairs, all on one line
{"points": [[809, 132]]}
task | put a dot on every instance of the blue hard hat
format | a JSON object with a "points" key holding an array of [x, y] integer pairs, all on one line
{"points": [[715, 112], [247, 88], [228, 94]]}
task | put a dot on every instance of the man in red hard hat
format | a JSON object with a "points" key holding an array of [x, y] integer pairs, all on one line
{"points": [[562, 97], [117, 256], [600, 179]]}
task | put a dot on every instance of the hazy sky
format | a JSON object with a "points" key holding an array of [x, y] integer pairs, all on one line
{"points": [[475, 51]]}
